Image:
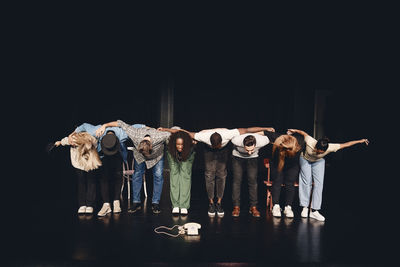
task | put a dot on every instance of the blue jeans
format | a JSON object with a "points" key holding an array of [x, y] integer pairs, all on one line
{"points": [[158, 181], [309, 172]]}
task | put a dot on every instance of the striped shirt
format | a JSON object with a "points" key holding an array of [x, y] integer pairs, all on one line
{"points": [[158, 139]]}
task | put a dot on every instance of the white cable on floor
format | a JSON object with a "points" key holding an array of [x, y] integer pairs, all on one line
{"points": [[180, 228]]}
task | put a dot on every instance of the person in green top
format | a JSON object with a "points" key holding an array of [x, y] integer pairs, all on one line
{"points": [[180, 156]]}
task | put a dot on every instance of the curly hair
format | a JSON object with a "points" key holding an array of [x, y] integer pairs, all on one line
{"points": [[287, 146], [187, 145], [87, 153]]}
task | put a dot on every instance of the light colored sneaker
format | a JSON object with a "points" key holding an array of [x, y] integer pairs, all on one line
{"points": [[82, 209], [304, 212], [89, 210], [316, 215], [104, 210], [288, 212], [184, 211], [117, 206], [175, 210], [276, 211]]}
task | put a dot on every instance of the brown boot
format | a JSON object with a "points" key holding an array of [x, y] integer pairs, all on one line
{"points": [[236, 211], [254, 211]]}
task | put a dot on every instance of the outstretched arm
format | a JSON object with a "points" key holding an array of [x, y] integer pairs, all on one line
{"points": [[255, 129], [103, 127], [175, 130], [292, 131], [351, 143]]}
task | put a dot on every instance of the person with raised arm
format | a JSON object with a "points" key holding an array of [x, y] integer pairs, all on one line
{"points": [[312, 168]]}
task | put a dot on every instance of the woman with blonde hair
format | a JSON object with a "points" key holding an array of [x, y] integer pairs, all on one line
{"points": [[284, 169], [85, 159]]}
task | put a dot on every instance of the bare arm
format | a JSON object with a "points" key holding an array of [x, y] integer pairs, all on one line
{"points": [[351, 143], [292, 131], [176, 130], [255, 129], [103, 127]]}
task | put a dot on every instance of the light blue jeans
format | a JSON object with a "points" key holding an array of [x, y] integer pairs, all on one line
{"points": [[309, 172], [158, 180]]}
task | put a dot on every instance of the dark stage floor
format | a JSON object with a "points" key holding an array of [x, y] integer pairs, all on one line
{"points": [[48, 232]]}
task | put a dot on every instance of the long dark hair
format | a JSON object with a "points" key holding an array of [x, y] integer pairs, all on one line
{"points": [[187, 145]]}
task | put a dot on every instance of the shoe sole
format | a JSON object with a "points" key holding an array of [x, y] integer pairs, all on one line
{"points": [[211, 214], [135, 210], [235, 215], [220, 214], [117, 211], [102, 215], [316, 219], [255, 216]]}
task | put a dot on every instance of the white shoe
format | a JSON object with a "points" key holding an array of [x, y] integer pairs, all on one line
{"points": [[104, 210], [89, 210], [184, 211], [175, 210], [276, 211], [304, 212], [316, 215], [82, 209], [117, 206], [288, 212]]}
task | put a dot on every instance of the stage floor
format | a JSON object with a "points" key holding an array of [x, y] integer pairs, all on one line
{"points": [[49, 232]]}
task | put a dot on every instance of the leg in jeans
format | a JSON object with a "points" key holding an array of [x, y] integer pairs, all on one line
{"points": [[277, 178], [291, 174], [104, 189], [81, 187], [137, 180], [209, 173], [237, 179], [221, 173], [158, 181], [117, 176], [91, 188], [252, 171], [305, 182], [318, 172]]}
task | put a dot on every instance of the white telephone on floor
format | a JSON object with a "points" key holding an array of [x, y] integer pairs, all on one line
{"points": [[192, 228]]}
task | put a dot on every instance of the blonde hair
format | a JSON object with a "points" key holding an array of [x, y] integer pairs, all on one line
{"points": [[86, 146], [287, 146]]}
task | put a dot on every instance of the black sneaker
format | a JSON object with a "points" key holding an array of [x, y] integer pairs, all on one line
{"points": [[135, 208], [155, 208], [219, 209], [211, 210]]}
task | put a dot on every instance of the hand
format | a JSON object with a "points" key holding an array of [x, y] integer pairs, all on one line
{"points": [[160, 129], [366, 141], [100, 131], [290, 131], [71, 139], [270, 129], [57, 144]]}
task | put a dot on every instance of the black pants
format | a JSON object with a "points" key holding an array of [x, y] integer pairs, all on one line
{"points": [[238, 165], [215, 171], [111, 174], [287, 176], [86, 188]]}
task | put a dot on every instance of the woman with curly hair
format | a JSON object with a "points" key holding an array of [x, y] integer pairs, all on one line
{"points": [[85, 159], [180, 156], [312, 169]]}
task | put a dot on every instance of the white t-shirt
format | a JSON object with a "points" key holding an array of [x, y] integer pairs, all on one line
{"points": [[310, 155], [238, 149], [226, 134]]}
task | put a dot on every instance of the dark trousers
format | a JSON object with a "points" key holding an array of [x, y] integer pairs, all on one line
{"points": [[287, 176], [215, 171], [86, 188], [111, 174], [238, 165]]}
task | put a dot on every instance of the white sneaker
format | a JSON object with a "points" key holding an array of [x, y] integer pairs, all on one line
{"points": [[104, 210], [82, 209], [316, 215], [117, 206], [184, 211], [304, 212], [89, 210], [276, 211], [288, 212], [175, 210]]}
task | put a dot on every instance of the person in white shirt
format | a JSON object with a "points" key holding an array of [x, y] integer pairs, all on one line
{"points": [[312, 168], [215, 158], [245, 155]]}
